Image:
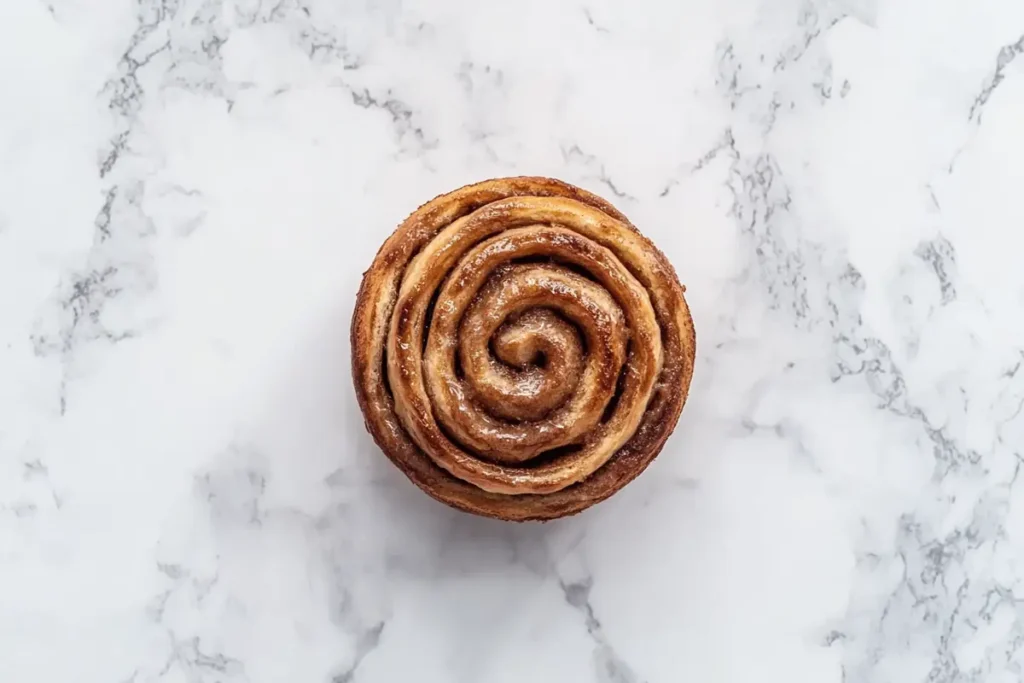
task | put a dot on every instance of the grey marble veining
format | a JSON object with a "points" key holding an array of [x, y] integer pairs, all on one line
{"points": [[191, 190]]}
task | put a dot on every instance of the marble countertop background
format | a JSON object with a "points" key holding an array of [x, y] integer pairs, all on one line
{"points": [[191, 189]]}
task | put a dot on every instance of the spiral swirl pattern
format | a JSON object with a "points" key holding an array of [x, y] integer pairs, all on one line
{"points": [[520, 350]]}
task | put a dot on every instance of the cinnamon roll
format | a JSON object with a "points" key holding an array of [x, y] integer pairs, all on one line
{"points": [[520, 350]]}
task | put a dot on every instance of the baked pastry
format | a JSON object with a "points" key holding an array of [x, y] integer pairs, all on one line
{"points": [[520, 350]]}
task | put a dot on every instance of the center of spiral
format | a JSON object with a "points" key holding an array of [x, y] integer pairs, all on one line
{"points": [[512, 346], [539, 360]]}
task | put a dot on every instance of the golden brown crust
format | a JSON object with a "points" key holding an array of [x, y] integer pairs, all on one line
{"points": [[520, 350]]}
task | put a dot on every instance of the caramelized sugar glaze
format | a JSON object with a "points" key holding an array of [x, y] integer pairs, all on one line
{"points": [[520, 350]]}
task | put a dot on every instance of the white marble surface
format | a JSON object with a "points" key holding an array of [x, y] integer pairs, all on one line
{"points": [[190, 190]]}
